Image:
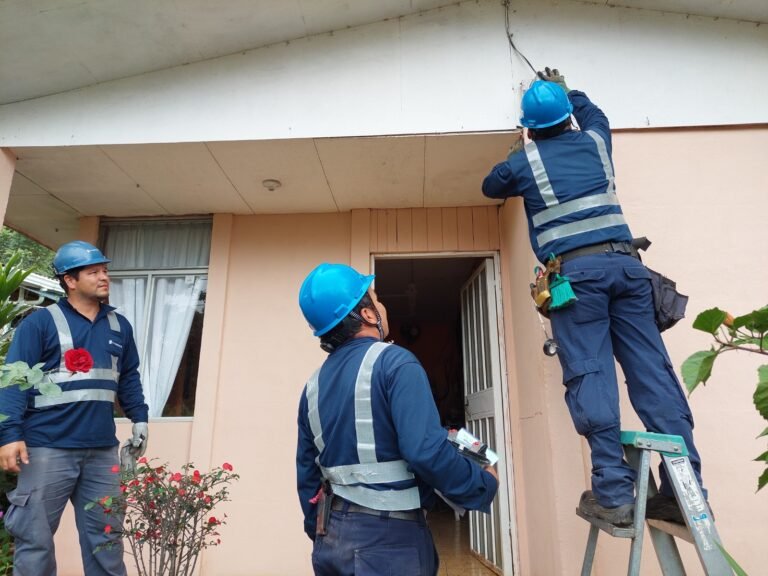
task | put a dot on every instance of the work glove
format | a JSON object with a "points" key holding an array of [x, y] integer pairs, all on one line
{"points": [[517, 145], [553, 75], [139, 439]]}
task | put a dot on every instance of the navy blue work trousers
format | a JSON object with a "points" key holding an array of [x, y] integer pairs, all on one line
{"points": [[364, 545], [614, 317]]}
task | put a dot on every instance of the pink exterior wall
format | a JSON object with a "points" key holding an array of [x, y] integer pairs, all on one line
{"points": [[700, 195], [7, 166], [258, 351]]}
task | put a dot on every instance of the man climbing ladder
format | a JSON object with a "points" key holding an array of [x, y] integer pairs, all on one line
{"points": [[566, 179]]}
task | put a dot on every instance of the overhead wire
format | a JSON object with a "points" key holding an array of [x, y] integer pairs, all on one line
{"points": [[506, 4]]}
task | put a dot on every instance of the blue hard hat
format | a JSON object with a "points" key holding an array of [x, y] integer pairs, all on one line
{"points": [[76, 255], [545, 104], [329, 293]]}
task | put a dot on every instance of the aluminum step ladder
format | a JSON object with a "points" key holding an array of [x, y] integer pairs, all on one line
{"points": [[700, 526]]}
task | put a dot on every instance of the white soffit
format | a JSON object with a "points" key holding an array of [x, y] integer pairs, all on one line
{"points": [[183, 178], [374, 172], [745, 10], [294, 163]]}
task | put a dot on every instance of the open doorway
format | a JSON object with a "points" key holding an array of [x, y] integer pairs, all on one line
{"points": [[444, 310]]}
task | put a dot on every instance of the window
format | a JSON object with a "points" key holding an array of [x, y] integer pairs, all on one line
{"points": [[159, 274]]}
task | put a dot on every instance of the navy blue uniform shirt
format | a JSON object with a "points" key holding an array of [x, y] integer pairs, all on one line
{"points": [[85, 424], [406, 426], [575, 170]]}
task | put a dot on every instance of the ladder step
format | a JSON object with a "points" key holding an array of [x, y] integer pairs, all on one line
{"points": [[615, 531], [672, 528]]}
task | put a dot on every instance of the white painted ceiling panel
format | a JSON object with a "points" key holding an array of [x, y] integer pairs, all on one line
{"points": [[22, 186], [374, 172], [747, 10], [456, 165], [44, 218], [182, 178], [294, 163], [86, 179]]}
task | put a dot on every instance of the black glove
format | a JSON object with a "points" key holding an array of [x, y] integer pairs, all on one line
{"points": [[554, 75]]}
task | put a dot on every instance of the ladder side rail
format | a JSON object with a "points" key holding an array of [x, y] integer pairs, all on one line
{"points": [[697, 514]]}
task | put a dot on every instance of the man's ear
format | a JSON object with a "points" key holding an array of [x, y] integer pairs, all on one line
{"points": [[369, 315], [69, 281]]}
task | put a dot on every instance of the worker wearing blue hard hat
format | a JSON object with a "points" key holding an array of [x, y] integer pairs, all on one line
{"points": [[371, 451], [63, 447], [600, 302]]}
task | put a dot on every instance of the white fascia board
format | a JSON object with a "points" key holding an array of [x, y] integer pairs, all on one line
{"points": [[446, 70]]}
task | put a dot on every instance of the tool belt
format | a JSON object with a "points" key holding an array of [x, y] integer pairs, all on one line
{"points": [[341, 505], [602, 248]]}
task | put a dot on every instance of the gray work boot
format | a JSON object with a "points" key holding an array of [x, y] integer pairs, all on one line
{"points": [[620, 516]]}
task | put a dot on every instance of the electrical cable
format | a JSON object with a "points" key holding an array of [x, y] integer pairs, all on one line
{"points": [[506, 3]]}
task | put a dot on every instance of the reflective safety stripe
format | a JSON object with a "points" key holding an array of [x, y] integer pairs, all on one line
{"points": [[62, 327], [407, 499], [114, 324], [70, 396], [66, 343], [540, 174], [588, 225], [602, 150], [93, 374], [377, 473], [352, 481], [314, 414], [366, 443], [568, 208]]}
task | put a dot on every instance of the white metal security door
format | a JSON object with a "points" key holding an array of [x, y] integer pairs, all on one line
{"points": [[490, 537]]}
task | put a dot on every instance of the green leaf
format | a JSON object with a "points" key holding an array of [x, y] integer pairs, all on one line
{"points": [[763, 433], [763, 480], [760, 396], [763, 457], [3, 417], [710, 320], [756, 320], [90, 505], [48, 388], [697, 368], [738, 570]]}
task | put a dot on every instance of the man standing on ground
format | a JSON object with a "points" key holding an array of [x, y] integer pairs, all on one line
{"points": [[369, 430], [565, 177], [64, 447]]}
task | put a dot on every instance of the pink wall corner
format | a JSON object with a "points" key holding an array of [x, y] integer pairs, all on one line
{"points": [[7, 168]]}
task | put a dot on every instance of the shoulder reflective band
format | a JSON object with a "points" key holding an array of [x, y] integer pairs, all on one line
{"points": [[540, 174], [71, 396], [408, 499], [602, 150], [313, 413], [114, 324], [377, 473], [574, 228], [62, 327], [573, 206], [366, 443]]}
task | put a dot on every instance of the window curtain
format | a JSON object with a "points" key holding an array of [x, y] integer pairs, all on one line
{"points": [[157, 247]]}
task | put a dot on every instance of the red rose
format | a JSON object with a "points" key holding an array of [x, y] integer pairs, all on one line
{"points": [[78, 360]]}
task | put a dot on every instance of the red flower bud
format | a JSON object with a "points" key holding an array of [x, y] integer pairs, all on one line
{"points": [[115, 469], [107, 529], [227, 466], [78, 360], [212, 520]]}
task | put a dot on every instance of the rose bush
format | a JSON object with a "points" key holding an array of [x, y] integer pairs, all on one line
{"points": [[168, 515]]}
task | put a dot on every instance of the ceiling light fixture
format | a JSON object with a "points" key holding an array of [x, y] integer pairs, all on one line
{"points": [[271, 184]]}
